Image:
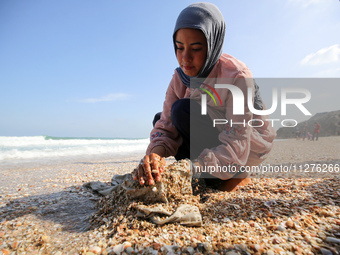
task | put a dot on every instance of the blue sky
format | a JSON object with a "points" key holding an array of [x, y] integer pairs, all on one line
{"points": [[101, 68]]}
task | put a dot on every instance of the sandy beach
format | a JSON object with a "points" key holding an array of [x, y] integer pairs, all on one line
{"points": [[46, 210]]}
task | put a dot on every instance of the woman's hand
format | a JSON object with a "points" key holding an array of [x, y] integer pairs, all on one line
{"points": [[149, 169]]}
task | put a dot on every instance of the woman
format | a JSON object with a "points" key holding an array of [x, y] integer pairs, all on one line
{"points": [[198, 41]]}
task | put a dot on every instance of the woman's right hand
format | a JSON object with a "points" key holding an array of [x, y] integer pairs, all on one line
{"points": [[149, 169]]}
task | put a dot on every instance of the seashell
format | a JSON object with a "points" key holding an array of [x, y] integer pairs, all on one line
{"points": [[281, 228], [332, 240], [325, 251]]}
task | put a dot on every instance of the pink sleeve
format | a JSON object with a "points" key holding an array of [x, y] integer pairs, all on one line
{"points": [[164, 133], [236, 138]]}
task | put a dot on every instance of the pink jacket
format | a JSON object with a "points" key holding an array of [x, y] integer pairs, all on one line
{"points": [[240, 145]]}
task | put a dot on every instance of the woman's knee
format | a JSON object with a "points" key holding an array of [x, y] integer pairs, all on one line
{"points": [[180, 111], [156, 118]]}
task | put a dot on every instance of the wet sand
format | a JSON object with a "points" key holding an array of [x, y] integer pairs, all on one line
{"points": [[45, 210]]}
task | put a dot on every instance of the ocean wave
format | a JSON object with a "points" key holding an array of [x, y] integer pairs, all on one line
{"points": [[29, 147], [47, 137]]}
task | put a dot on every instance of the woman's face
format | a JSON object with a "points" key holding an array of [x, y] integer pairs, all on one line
{"points": [[191, 50]]}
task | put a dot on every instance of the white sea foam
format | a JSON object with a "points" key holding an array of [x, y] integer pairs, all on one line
{"points": [[39, 147]]}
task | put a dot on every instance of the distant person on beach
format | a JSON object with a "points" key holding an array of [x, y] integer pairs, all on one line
{"points": [[181, 130], [297, 133], [309, 136], [304, 131], [316, 132]]}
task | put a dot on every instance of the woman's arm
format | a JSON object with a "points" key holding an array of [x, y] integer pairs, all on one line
{"points": [[164, 138], [159, 150], [164, 133], [235, 138]]}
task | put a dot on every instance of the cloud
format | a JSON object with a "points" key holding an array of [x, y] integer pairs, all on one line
{"points": [[323, 56], [106, 98], [306, 3], [335, 72]]}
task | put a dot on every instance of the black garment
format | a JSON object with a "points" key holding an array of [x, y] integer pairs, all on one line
{"points": [[196, 130], [156, 118]]}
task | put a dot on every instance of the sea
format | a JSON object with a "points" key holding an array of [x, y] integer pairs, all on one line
{"points": [[42, 150]]}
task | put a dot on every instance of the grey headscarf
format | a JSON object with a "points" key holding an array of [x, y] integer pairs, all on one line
{"points": [[207, 18]]}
